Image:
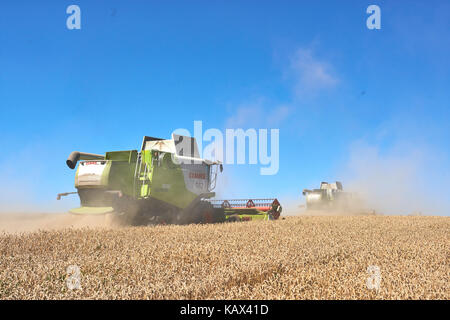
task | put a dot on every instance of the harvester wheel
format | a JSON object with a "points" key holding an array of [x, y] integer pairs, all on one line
{"points": [[172, 216], [219, 215], [208, 217], [205, 212], [127, 213]]}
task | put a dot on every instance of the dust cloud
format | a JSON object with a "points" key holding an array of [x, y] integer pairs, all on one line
{"points": [[31, 222], [403, 180]]}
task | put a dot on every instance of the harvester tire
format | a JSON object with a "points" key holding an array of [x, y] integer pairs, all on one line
{"points": [[196, 214], [219, 215], [205, 212]]}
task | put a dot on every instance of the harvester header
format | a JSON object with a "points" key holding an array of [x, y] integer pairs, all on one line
{"points": [[249, 209]]}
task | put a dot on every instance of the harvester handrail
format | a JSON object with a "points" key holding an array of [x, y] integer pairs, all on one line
{"points": [[137, 172]]}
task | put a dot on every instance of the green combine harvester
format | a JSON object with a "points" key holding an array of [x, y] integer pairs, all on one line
{"points": [[166, 182]]}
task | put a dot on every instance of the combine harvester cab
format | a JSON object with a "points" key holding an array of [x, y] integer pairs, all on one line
{"points": [[165, 182], [324, 197], [331, 197]]}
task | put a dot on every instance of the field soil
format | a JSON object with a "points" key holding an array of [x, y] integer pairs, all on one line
{"points": [[305, 257]]}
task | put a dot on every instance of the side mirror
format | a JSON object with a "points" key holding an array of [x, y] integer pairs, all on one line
{"points": [[221, 167]]}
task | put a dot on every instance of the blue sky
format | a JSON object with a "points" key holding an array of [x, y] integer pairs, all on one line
{"points": [[367, 107]]}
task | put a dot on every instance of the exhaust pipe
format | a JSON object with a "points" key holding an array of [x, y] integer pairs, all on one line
{"points": [[75, 156]]}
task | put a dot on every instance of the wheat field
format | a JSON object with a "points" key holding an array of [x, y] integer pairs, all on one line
{"points": [[295, 258]]}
